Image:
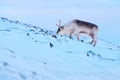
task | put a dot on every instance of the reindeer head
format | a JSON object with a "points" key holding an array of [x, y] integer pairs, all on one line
{"points": [[60, 28]]}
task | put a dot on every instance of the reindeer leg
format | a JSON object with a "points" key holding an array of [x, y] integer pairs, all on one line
{"points": [[94, 39], [92, 42], [78, 37], [92, 36], [71, 34]]}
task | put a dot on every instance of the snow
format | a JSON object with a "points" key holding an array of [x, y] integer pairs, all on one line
{"points": [[28, 52]]}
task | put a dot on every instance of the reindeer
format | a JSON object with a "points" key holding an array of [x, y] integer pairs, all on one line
{"points": [[77, 27]]}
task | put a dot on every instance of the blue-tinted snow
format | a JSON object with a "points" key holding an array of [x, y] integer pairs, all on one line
{"points": [[29, 52]]}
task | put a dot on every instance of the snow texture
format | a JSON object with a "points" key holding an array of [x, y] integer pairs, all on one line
{"points": [[28, 52]]}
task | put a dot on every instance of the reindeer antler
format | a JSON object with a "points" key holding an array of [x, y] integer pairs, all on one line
{"points": [[59, 23]]}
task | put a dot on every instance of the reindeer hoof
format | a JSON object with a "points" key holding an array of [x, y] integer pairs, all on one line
{"points": [[91, 42]]}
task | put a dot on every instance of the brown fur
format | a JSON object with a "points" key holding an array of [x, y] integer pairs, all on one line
{"points": [[77, 27]]}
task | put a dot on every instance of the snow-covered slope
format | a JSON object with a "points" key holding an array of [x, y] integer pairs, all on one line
{"points": [[29, 52]]}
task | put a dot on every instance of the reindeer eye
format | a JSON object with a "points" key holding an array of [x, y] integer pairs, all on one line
{"points": [[62, 27]]}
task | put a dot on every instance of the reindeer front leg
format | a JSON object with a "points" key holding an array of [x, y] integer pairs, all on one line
{"points": [[78, 37], [71, 34]]}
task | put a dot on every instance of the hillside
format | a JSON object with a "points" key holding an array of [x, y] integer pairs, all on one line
{"points": [[29, 52]]}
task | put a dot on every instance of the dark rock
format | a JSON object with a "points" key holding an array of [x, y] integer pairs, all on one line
{"points": [[28, 34], [32, 30], [51, 45], [34, 73], [82, 40], [5, 64], [54, 36], [87, 54]]}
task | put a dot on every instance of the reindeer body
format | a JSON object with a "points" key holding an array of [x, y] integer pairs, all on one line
{"points": [[77, 27]]}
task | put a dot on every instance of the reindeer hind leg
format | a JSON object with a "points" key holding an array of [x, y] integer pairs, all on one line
{"points": [[93, 42]]}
